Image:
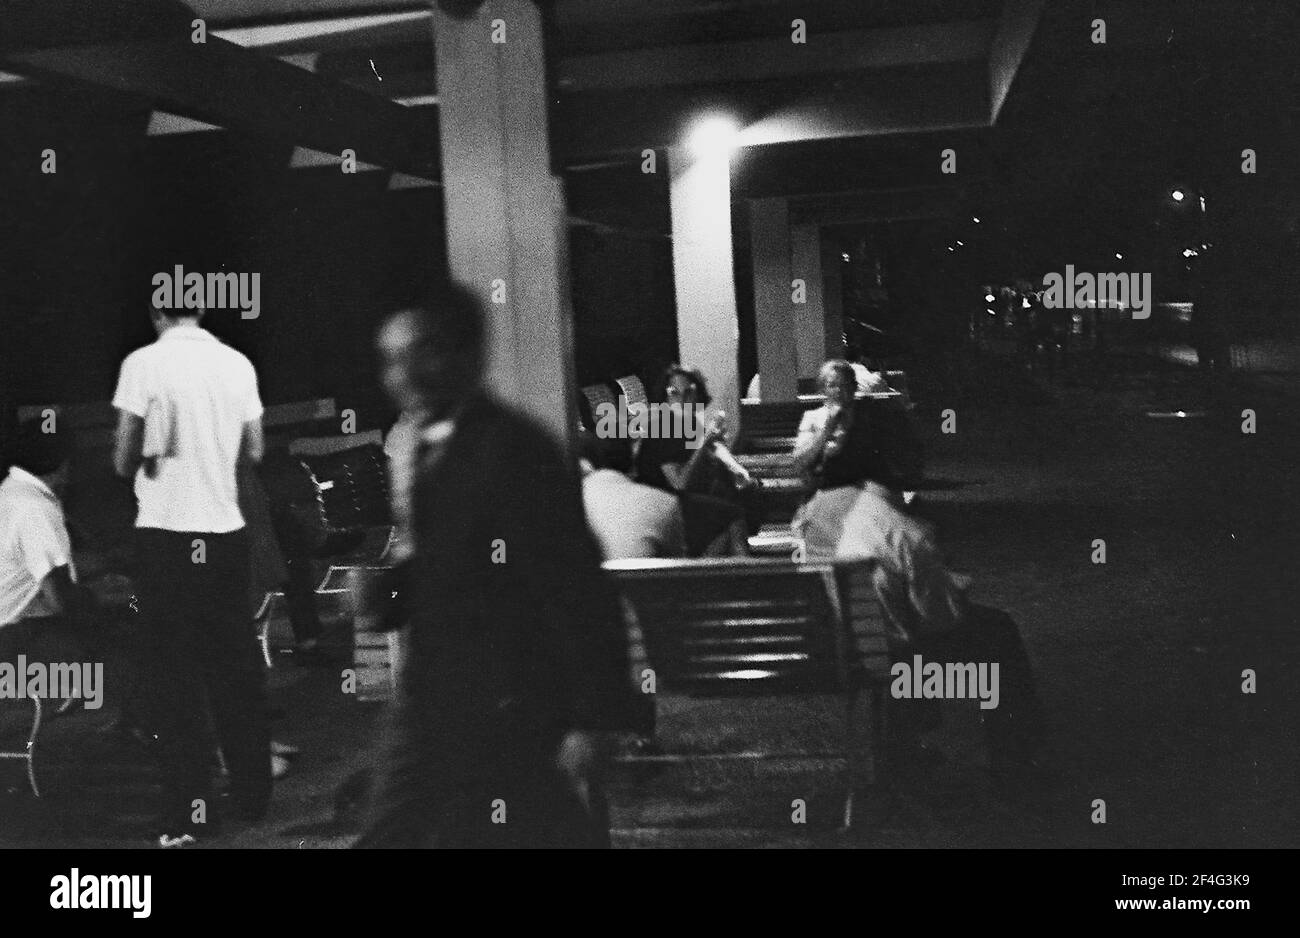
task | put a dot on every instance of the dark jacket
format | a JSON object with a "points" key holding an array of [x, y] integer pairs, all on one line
{"points": [[514, 627]]}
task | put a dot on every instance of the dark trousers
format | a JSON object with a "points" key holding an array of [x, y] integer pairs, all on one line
{"points": [[706, 518], [493, 788], [203, 660], [1014, 728]]}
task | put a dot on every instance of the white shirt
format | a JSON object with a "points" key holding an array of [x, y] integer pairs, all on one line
{"points": [[401, 447], [33, 543], [919, 594], [631, 520], [870, 381], [195, 395]]}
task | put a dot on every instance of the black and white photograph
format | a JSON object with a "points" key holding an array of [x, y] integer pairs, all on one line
{"points": [[651, 424]]}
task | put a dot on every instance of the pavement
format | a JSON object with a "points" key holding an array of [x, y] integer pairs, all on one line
{"points": [[1139, 660]]}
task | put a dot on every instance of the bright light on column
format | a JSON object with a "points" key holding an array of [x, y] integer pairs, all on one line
{"points": [[713, 137]]}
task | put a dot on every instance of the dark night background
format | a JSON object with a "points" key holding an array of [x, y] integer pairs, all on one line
{"points": [[1079, 167]]}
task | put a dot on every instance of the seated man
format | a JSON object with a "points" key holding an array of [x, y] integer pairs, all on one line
{"points": [[926, 608], [870, 378], [40, 601], [629, 519]]}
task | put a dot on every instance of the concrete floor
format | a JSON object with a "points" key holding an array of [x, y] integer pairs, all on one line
{"points": [[1139, 660]]}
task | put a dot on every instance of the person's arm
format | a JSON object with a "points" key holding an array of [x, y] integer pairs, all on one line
{"points": [[128, 444], [75, 601], [682, 478], [45, 552], [739, 474], [813, 437], [252, 443], [934, 595]]}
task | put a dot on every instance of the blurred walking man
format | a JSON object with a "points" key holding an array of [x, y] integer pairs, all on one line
{"points": [[516, 655], [188, 411]]}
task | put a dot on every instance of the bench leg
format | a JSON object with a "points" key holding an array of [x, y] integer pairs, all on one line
{"points": [[878, 726], [865, 745], [859, 743], [31, 748], [264, 639]]}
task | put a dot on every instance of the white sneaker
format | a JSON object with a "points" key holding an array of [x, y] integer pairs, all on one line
{"points": [[170, 841]]}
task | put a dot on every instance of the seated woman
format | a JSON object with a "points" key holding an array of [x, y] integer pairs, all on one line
{"points": [[705, 478], [836, 450]]}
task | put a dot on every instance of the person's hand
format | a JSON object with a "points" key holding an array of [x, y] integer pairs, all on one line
{"points": [[717, 428], [744, 481], [576, 761], [110, 590]]}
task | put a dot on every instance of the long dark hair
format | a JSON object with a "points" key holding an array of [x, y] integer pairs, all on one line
{"points": [[693, 375]]}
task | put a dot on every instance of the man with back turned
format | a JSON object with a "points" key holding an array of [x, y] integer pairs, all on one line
{"points": [[188, 413]]}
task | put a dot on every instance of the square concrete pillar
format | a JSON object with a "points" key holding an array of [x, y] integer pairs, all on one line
{"points": [[774, 311], [505, 211], [708, 333]]}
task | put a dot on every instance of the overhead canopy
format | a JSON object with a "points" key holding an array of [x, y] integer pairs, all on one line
{"points": [[627, 75]]}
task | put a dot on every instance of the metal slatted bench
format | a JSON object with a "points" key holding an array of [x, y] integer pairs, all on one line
{"points": [[727, 627], [28, 752]]}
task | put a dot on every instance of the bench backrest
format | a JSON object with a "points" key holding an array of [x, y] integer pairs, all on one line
{"points": [[753, 627], [771, 426]]}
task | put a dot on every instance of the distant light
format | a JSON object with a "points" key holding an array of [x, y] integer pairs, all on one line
{"points": [[1025, 303], [989, 311], [961, 244], [975, 220], [1177, 195], [988, 297], [1119, 256], [747, 674], [846, 257], [1189, 252], [1204, 247], [951, 248], [1202, 203], [713, 137]]}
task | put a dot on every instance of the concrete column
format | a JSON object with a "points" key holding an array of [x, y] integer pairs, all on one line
{"points": [[703, 277], [833, 298], [505, 212], [773, 310], [810, 316]]}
